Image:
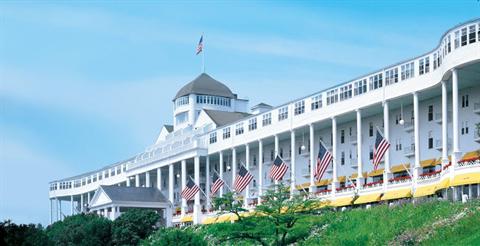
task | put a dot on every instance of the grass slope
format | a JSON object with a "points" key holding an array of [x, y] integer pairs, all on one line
{"points": [[433, 223]]}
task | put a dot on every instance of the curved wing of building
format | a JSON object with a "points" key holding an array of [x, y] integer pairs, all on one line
{"points": [[426, 108]]}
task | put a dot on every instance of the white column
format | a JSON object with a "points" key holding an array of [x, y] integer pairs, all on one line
{"points": [[159, 178], [88, 199], [147, 179], [386, 135], [416, 136], [71, 206], [220, 170], [234, 166], [196, 207], [247, 166], [444, 124], [276, 152], [137, 180], [334, 153], [128, 181], [59, 204], [184, 183], [170, 183], [359, 149], [82, 204], [260, 170], [292, 162], [312, 158], [207, 181], [456, 147], [51, 213]]}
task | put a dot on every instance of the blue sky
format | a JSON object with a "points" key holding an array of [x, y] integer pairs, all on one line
{"points": [[85, 84]]}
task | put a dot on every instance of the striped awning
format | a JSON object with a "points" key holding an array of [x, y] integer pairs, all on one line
{"points": [[397, 194], [368, 198], [428, 163], [376, 172], [400, 168], [467, 178]]}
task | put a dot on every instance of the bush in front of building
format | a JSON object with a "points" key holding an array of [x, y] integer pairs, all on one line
{"points": [[22, 234], [134, 225], [81, 229], [175, 236]]}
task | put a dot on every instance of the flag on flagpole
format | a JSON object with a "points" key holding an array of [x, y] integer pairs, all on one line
{"points": [[279, 168], [323, 160], [217, 184], [190, 190], [379, 150], [200, 45], [242, 179]]}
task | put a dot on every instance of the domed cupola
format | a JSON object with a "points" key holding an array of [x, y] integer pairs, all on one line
{"points": [[205, 85]]}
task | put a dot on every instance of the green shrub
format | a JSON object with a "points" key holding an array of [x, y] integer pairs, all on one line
{"points": [[174, 236], [13, 234], [134, 225]]}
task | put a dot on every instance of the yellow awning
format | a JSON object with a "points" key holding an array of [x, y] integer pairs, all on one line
{"points": [[443, 184], [209, 220], [323, 182], [224, 218], [343, 201], [396, 194], [425, 190], [368, 198], [427, 163], [471, 155], [376, 172], [303, 186], [342, 179], [186, 218], [320, 204], [399, 168], [467, 178]]}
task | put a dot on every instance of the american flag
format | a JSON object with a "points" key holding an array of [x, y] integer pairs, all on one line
{"points": [[242, 179], [381, 147], [217, 184], [323, 160], [190, 190], [279, 168], [200, 45]]}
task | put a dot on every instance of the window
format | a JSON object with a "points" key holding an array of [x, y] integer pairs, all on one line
{"points": [[181, 101], [407, 71], [239, 128], [299, 107], [345, 92], [226, 133], [370, 129], [478, 32], [342, 136], [316, 102], [464, 36], [360, 87], [375, 81], [213, 137], [430, 112], [398, 117], [342, 160], [430, 140], [254, 160], [434, 61], [457, 39], [267, 119], [283, 113], [215, 100], [272, 155], [464, 127], [252, 124], [281, 152], [398, 144], [465, 101], [332, 96], [391, 76], [471, 34], [449, 44], [424, 65], [371, 152]]}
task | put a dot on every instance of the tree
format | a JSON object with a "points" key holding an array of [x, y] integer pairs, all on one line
{"points": [[229, 203], [81, 229], [174, 236], [13, 234], [134, 225], [274, 222]]}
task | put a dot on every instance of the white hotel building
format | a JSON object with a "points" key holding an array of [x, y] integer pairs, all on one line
{"points": [[427, 107]]}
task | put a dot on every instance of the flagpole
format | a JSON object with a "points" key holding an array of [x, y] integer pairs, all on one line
{"points": [[203, 55], [198, 186], [225, 183]]}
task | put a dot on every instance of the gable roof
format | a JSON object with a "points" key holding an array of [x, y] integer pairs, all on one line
{"points": [[133, 194], [169, 128], [205, 85], [222, 118]]}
